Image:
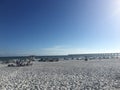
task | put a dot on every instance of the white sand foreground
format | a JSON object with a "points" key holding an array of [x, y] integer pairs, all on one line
{"points": [[62, 75]]}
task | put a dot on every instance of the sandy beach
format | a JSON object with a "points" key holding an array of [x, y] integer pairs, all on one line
{"points": [[62, 75]]}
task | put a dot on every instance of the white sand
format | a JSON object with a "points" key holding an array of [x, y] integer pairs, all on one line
{"points": [[62, 75]]}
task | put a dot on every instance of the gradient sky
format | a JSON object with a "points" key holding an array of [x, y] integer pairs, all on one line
{"points": [[54, 27]]}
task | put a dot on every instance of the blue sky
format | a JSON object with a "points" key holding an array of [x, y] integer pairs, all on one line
{"points": [[55, 27]]}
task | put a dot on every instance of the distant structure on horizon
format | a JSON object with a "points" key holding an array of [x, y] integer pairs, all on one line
{"points": [[97, 55]]}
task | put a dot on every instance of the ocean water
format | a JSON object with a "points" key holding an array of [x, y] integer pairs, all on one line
{"points": [[70, 56]]}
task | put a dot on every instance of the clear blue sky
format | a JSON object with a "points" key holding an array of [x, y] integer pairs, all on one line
{"points": [[49, 27]]}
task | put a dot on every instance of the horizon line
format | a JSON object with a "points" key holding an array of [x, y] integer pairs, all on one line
{"points": [[60, 54]]}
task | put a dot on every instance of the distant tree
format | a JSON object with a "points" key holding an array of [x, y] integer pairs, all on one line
{"points": [[72, 58], [86, 59], [66, 58]]}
